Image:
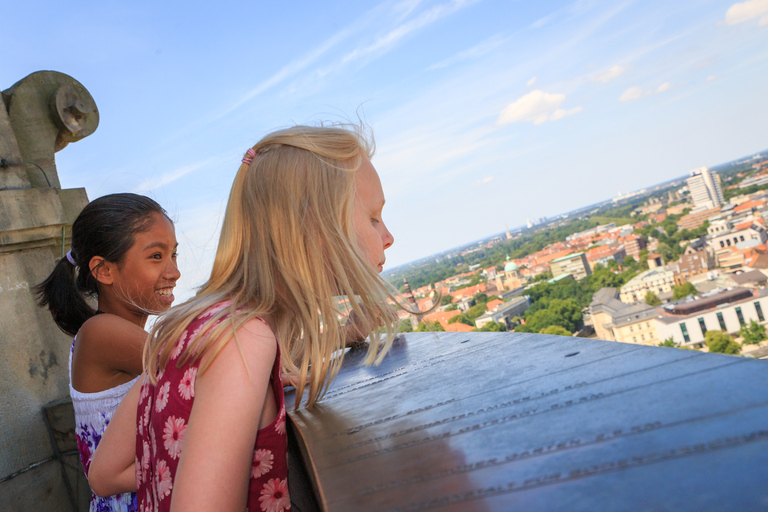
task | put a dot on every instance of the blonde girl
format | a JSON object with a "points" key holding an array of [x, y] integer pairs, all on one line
{"points": [[124, 256], [302, 227]]}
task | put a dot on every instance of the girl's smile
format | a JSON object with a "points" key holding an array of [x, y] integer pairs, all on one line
{"points": [[148, 273]]}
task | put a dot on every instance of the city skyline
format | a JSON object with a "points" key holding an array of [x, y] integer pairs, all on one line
{"points": [[493, 111]]}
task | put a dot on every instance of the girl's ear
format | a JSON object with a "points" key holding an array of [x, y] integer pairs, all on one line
{"points": [[101, 270]]}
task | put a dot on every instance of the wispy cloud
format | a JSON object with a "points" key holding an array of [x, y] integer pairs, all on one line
{"points": [[636, 92], [391, 38], [610, 74], [536, 106], [530, 82], [483, 181], [476, 51], [745, 11], [169, 177]]}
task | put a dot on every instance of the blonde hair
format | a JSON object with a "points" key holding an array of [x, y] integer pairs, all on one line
{"points": [[288, 249]]}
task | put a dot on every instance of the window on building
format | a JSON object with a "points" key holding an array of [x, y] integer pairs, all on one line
{"points": [[684, 330], [702, 325], [739, 315], [642, 337], [741, 237], [722, 244], [634, 340], [759, 310], [721, 321], [631, 328]]}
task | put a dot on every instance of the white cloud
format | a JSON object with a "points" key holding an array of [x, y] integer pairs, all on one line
{"points": [[712, 77], [635, 92], [473, 53], [530, 82], [536, 106], [391, 38], [168, 177], [610, 74], [746, 11], [483, 181], [560, 113]]}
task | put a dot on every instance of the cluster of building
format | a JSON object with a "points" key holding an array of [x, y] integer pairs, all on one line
{"points": [[725, 266]]}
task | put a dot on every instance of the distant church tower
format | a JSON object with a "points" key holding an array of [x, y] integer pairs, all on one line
{"points": [[408, 295], [509, 235]]}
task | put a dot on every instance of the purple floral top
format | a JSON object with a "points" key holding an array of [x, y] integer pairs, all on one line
{"points": [[93, 412]]}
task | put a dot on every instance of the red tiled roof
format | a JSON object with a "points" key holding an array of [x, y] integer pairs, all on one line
{"points": [[442, 317], [469, 291], [748, 205], [458, 327], [491, 305]]}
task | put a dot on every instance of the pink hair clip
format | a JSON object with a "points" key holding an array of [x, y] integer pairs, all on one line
{"points": [[249, 156]]}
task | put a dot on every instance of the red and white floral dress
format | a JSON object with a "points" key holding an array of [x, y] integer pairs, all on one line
{"points": [[164, 409]]}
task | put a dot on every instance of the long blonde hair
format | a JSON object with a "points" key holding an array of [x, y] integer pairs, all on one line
{"points": [[288, 250]]}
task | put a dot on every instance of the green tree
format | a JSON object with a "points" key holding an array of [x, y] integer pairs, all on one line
{"points": [[563, 312], [445, 300], [669, 342], [492, 327], [666, 252], [652, 299], [753, 332], [463, 319], [642, 259], [684, 290], [405, 325], [451, 307], [427, 326], [555, 329], [721, 343]]}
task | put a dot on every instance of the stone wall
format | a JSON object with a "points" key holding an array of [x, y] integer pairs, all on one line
{"points": [[39, 465]]}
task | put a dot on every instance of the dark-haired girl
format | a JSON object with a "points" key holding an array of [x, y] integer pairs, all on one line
{"points": [[124, 256]]}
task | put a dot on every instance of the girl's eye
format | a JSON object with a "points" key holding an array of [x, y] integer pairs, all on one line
{"points": [[174, 255], [157, 256], [375, 221]]}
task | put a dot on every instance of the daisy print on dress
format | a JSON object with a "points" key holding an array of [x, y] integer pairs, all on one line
{"points": [[274, 496], [162, 396], [163, 482], [187, 384], [280, 422], [262, 463], [173, 436]]}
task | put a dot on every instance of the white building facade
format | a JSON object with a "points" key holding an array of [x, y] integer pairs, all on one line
{"points": [[725, 310], [705, 188]]}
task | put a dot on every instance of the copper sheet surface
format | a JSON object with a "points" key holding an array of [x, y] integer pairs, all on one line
{"points": [[497, 421]]}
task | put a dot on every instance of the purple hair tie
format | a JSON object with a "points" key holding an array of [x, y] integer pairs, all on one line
{"points": [[249, 155], [71, 259]]}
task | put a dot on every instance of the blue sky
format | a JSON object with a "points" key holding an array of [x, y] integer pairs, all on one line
{"points": [[484, 112]]}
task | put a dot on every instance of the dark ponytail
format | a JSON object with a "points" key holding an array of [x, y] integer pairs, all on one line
{"points": [[106, 227]]}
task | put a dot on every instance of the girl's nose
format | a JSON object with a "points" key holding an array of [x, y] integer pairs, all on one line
{"points": [[387, 238], [172, 271]]}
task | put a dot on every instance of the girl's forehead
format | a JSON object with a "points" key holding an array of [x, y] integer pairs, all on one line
{"points": [[159, 230], [368, 183]]}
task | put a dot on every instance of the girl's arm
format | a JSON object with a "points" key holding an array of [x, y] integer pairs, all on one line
{"points": [[112, 469], [215, 464]]}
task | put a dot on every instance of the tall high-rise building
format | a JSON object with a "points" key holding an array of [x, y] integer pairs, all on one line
{"points": [[705, 189]]}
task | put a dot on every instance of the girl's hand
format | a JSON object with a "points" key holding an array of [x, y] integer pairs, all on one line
{"points": [[353, 331]]}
